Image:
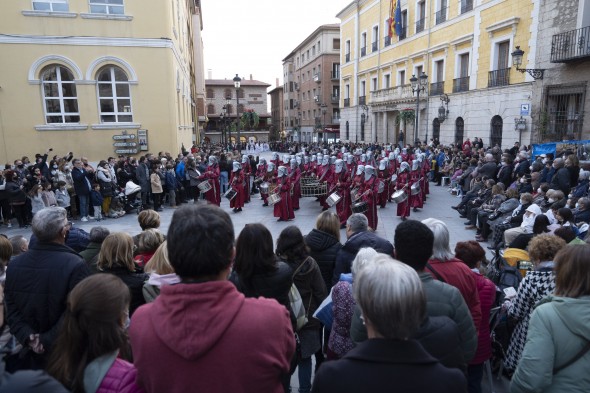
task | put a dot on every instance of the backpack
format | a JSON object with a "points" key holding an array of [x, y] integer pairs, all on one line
{"points": [[504, 276], [296, 303]]}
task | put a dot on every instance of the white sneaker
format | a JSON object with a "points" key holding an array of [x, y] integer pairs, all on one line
{"points": [[9, 225], [84, 219]]}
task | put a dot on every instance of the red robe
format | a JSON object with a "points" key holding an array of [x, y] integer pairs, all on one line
{"points": [[403, 208], [343, 188], [269, 178], [385, 178], [212, 196], [416, 200], [284, 209], [296, 182], [237, 183], [325, 174], [247, 172], [371, 188]]}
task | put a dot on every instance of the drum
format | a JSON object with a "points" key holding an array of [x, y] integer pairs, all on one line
{"points": [[415, 189], [333, 198], [399, 196], [353, 193], [204, 186], [359, 207], [314, 189], [264, 188], [230, 194], [381, 186], [273, 199], [258, 180]]}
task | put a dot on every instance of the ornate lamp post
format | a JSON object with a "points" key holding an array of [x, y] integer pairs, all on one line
{"points": [[226, 110], [536, 73], [418, 86], [237, 81]]}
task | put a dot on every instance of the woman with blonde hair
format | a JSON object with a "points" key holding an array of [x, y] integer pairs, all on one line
{"points": [[116, 257], [537, 284], [160, 273], [555, 356]]}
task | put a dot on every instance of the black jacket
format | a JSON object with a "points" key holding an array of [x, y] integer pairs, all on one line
{"points": [[381, 365], [357, 241], [324, 248], [37, 285], [134, 281], [311, 287], [505, 175], [561, 181]]}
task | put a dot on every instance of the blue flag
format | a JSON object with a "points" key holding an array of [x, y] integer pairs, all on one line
{"points": [[398, 18]]}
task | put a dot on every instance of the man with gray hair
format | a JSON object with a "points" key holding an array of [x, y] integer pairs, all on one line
{"points": [[20, 245], [359, 236], [561, 178], [489, 168], [38, 283]]}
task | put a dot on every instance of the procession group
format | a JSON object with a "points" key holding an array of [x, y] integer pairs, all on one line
{"points": [[355, 182]]}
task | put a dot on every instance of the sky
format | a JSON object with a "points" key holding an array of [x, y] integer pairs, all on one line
{"points": [[253, 37]]}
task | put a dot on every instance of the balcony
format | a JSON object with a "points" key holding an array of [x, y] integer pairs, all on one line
{"points": [[571, 45], [499, 77], [347, 102], [441, 16], [347, 57], [392, 94], [317, 77], [374, 46], [335, 75], [420, 25], [335, 99], [466, 6], [335, 119], [386, 40], [403, 32], [363, 51], [362, 100], [461, 84], [437, 88]]}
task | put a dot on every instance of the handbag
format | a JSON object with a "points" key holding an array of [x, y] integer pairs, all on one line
{"points": [[296, 303]]}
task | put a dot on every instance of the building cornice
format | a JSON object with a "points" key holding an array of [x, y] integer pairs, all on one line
{"points": [[510, 22], [53, 14]]}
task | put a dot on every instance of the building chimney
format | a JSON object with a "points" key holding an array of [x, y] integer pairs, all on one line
{"points": [[277, 82], [209, 73], [250, 76]]}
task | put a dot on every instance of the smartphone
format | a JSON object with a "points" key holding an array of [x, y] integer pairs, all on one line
{"points": [[509, 292]]}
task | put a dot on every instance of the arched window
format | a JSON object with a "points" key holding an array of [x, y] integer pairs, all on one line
{"points": [[496, 131], [210, 93], [114, 95], [459, 130], [347, 131], [210, 109], [435, 130], [227, 94], [59, 95]]}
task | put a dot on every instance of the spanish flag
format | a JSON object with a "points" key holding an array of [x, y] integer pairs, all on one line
{"points": [[391, 20], [395, 18]]}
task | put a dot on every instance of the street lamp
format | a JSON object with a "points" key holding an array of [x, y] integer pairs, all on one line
{"points": [[223, 136], [323, 106], [536, 73], [442, 113], [237, 81], [418, 86], [226, 109], [299, 127]]}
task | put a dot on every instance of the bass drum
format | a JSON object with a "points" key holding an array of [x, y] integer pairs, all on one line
{"points": [[359, 207], [399, 196], [264, 188]]}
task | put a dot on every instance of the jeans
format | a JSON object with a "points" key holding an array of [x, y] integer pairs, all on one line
{"points": [[223, 179], [83, 205], [304, 372]]}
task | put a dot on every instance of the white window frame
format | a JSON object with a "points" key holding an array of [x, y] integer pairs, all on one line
{"points": [[416, 65], [374, 84], [434, 61], [62, 113], [51, 7], [104, 3], [114, 96], [398, 76], [458, 55], [362, 89], [494, 50], [387, 81], [375, 36], [417, 16]]}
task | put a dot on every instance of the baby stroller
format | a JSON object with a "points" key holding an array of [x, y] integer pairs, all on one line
{"points": [[129, 197]]}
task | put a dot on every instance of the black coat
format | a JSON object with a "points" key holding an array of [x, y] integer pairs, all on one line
{"points": [[37, 285], [381, 365], [134, 281], [311, 287], [324, 248], [561, 181], [505, 175], [357, 241], [81, 185]]}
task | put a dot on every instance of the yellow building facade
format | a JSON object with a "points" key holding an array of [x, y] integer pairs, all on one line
{"points": [[98, 77], [462, 47]]}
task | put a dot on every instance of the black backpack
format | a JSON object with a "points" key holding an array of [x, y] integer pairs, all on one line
{"points": [[504, 276]]}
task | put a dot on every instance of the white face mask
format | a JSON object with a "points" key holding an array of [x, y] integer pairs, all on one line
{"points": [[522, 180], [544, 161], [538, 190], [577, 205]]}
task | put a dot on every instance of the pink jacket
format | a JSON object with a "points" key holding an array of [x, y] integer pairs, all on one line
{"points": [[487, 295], [120, 379]]}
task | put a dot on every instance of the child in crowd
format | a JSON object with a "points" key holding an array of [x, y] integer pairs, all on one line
{"points": [[36, 196], [48, 195], [172, 184], [96, 200], [63, 197], [157, 189]]}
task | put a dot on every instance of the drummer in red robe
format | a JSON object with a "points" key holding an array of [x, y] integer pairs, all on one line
{"points": [[211, 175], [384, 177], [357, 183], [284, 208], [237, 184], [247, 171], [295, 176], [325, 174], [268, 178], [404, 183], [275, 159], [342, 187], [369, 191], [415, 177], [350, 165]]}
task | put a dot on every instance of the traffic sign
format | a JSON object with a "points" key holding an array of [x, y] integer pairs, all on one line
{"points": [[125, 144], [124, 136], [126, 151]]}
